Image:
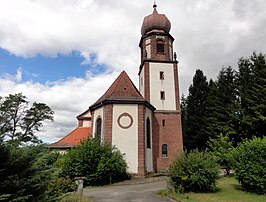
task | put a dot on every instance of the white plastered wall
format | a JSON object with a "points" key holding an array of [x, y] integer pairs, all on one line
{"points": [[148, 157], [98, 112], [126, 140], [167, 85], [148, 47], [141, 82], [86, 123]]}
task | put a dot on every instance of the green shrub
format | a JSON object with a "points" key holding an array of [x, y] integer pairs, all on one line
{"points": [[75, 198], [59, 186], [194, 171], [250, 165], [221, 149], [101, 164]]}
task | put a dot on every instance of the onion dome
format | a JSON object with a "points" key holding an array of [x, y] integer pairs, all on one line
{"points": [[155, 21]]}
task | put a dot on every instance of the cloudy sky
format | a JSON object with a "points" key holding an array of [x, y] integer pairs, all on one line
{"points": [[66, 53]]}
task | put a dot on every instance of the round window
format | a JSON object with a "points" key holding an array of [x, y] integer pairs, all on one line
{"points": [[125, 120]]}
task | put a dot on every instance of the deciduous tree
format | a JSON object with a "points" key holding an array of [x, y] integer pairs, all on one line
{"points": [[19, 121]]}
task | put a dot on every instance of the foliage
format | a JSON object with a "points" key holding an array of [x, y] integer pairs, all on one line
{"points": [[221, 148], [100, 163], [183, 108], [59, 185], [251, 90], [18, 121], [228, 188], [249, 165], [22, 176], [234, 104], [222, 105], [75, 198], [194, 171], [194, 134]]}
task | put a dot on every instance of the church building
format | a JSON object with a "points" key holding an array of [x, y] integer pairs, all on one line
{"points": [[145, 123]]}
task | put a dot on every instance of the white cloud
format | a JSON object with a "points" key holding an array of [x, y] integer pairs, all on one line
{"points": [[209, 34], [68, 99], [17, 77]]}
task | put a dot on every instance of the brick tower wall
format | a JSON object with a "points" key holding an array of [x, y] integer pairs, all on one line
{"points": [[170, 134]]}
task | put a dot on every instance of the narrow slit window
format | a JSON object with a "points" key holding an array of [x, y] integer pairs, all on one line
{"points": [[98, 128], [148, 131], [163, 122], [162, 75], [164, 151], [162, 94]]}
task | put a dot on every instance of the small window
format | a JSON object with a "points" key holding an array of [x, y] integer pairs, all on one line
{"points": [[162, 75], [160, 46], [98, 128], [148, 133], [163, 122], [164, 151], [162, 95]]}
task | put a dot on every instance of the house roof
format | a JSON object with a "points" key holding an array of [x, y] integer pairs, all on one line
{"points": [[73, 138], [82, 115], [122, 91]]}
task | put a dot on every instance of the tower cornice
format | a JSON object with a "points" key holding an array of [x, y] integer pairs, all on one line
{"points": [[156, 61]]}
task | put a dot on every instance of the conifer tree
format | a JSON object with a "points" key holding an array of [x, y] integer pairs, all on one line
{"points": [[195, 135], [252, 93], [222, 105], [183, 107]]}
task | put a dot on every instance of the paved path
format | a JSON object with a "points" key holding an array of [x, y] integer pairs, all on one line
{"points": [[130, 192]]}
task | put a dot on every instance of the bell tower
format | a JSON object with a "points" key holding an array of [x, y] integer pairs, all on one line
{"points": [[158, 83]]}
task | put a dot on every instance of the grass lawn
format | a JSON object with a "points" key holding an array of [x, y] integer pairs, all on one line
{"points": [[228, 190]]}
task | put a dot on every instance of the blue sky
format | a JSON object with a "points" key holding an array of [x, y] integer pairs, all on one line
{"points": [[47, 69], [67, 53]]}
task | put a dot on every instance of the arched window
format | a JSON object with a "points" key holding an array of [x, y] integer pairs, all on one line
{"points": [[98, 127], [164, 151], [160, 46], [148, 133]]}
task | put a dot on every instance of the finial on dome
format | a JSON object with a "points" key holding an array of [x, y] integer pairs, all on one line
{"points": [[154, 5]]}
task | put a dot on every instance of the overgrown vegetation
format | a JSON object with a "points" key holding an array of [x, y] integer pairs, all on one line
{"points": [[233, 105], [194, 171], [100, 163], [249, 165]]}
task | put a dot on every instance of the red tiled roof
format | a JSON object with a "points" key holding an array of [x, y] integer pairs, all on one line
{"points": [[73, 138], [122, 89]]}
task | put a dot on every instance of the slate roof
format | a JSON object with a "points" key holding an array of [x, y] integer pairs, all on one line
{"points": [[122, 91], [73, 138]]}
